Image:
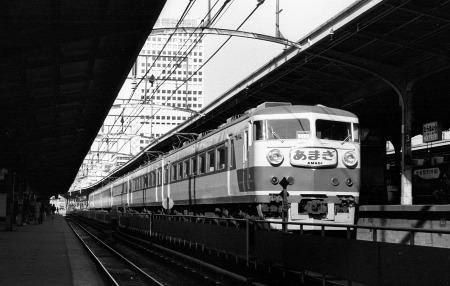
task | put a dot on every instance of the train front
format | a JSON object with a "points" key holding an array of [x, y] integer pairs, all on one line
{"points": [[317, 151]]}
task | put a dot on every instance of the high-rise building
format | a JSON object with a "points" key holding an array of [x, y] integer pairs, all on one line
{"points": [[166, 84], [163, 89]]}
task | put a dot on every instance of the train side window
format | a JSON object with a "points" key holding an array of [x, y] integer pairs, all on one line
{"points": [[211, 161], [186, 170], [152, 179], [173, 170], [258, 130], [166, 174], [221, 155], [201, 163], [159, 177], [355, 132], [179, 169], [193, 166], [231, 153]]}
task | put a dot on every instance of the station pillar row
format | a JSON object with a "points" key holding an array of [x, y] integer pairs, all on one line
{"points": [[406, 154]]}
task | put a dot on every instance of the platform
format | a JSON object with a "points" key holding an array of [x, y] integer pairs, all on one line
{"points": [[45, 254], [432, 217]]}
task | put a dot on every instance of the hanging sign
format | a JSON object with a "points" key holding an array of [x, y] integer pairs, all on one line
{"points": [[432, 131], [426, 174]]}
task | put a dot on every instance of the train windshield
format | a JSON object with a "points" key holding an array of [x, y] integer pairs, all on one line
{"points": [[279, 129], [337, 130]]}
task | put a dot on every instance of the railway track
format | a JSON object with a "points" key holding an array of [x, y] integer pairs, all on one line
{"points": [[162, 267], [176, 266], [118, 269]]}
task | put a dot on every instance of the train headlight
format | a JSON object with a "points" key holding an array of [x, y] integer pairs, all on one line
{"points": [[349, 159], [275, 157]]}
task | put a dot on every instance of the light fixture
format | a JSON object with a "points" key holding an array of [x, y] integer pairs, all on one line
{"points": [[151, 79]]}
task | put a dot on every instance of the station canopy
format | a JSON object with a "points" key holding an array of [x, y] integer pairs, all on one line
{"points": [[362, 60], [62, 64]]}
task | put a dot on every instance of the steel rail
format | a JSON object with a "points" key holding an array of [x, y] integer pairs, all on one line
{"points": [[97, 260]]}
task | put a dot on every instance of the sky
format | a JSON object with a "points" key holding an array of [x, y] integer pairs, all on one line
{"points": [[240, 57]]}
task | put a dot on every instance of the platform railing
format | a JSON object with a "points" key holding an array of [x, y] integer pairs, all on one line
{"points": [[368, 262], [262, 224]]}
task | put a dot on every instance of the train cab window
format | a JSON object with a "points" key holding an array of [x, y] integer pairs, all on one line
{"points": [[211, 161], [279, 129], [333, 130], [201, 163], [221, 155], [193, 166], [186, 170], [146, 181]]}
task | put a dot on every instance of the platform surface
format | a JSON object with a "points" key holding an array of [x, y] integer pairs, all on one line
{"points": [[45, 254]]}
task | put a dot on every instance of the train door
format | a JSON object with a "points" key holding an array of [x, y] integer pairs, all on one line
{"points": [[245, 165]]}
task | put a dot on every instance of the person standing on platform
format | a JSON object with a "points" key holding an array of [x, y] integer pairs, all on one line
{"points": [[26, 211], [37, 212], [53, 208], [41, 213]]}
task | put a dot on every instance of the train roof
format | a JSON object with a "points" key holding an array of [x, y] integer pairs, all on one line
{"points": [[282, 107]]}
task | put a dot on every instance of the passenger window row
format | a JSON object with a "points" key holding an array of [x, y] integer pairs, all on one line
{"points": [[214, 159]]}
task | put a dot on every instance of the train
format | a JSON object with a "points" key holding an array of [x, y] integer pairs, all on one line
{"points": [[275, 161]]}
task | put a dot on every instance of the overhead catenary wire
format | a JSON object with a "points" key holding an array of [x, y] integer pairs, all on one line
{"points": [[185, 12], [217, 16], [201, 35], [139, 109], [173, 69]]}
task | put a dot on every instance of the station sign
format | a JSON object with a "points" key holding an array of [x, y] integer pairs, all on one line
{"points": [[426, 174], [432, 131]]}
